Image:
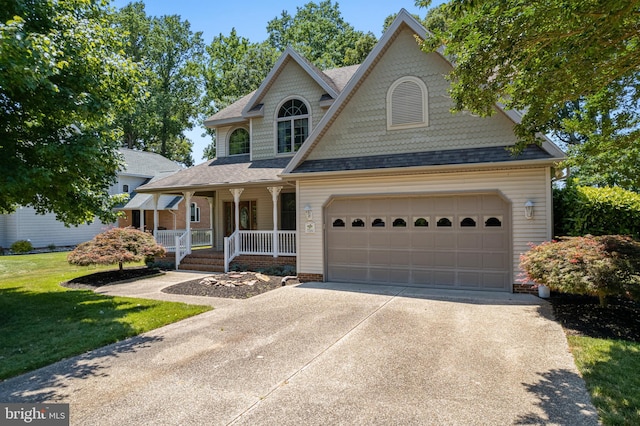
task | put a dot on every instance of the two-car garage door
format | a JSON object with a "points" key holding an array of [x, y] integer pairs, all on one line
{"points": [[456, 241]]}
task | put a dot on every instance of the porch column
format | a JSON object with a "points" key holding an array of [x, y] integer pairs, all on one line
{"points": [[142, 220], [275, 193], [187, 206], [156, 197], [236, 199], [210, 200]]}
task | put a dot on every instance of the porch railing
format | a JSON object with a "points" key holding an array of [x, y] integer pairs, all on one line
{"points": [[199, 238], [258, 243], [181, 245]]}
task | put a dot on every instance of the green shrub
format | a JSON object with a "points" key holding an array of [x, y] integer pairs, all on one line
{"points": [[582, 210], [599, 266], [116, 246], [21, 246], [51, 247]]}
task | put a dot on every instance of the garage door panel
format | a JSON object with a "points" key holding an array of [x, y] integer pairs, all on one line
{"points": [[473, 252]]}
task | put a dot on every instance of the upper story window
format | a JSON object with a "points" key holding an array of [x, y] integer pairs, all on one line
{"points": [[239, 142], [293, 125], [407, 104]]}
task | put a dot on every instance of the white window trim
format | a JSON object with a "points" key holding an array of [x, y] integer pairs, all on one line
{"points": [[275, 124], [233, 129], [425, 104]]}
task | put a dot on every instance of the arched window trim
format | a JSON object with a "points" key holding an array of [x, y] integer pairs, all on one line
{"points": [[277, 119], [425, 104], [229, 140]]}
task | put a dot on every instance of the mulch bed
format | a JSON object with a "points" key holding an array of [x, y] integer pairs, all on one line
{"points": [[583, 316], [98, 279], [232, 285]]}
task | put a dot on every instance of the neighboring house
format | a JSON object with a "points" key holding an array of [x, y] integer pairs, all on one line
{"points": [[364, 175], [140, 167]]}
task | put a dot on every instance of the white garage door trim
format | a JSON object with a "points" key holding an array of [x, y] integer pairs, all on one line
{"points": [[389, 246]]}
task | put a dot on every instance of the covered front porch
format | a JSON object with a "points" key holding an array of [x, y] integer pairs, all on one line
{"points": [[239, 216]]}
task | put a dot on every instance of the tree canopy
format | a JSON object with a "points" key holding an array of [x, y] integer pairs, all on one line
{"points": [[170, 57], [570, 67], [62, 77]]}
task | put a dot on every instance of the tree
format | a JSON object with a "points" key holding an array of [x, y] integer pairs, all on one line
{"points": [[170, 56], [61, 79], [234, 67], [598, 266], [320, 34], [116, 246], [571, 68]]}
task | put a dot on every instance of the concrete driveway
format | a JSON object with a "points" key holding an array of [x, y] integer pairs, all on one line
{"points": [[330, 354]]}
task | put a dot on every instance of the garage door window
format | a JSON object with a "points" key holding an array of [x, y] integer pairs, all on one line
{"points": [[338, 223], [468, 222], [493, 222], [357, 223], [378, 223], [400, 223], [444, 222], [421, 222]]}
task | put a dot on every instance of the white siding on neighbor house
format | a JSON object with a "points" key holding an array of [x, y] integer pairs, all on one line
{"points": [[517, 185], [293, 81], [361, 127], [132, 181], [264, 208], [44, 230]]}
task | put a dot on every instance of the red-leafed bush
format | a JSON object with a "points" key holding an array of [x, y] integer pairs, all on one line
{"points": [[117, 245], [598, 266]]}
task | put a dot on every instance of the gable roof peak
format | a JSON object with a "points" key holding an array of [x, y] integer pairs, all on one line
{"points": [[291, 54]]}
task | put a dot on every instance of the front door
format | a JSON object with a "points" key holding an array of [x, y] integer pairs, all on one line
{"points": [[248, 216]]}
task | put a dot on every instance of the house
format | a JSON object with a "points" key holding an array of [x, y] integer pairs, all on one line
{"points": [[362, 174], [140, 167]]}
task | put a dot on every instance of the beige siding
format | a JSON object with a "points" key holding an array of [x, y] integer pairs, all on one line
{"points": [[362, 125], [517, 186], [222, 135], [293, 81]]}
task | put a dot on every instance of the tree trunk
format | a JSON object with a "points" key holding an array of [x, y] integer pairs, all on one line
{"points": [[120, 264]]}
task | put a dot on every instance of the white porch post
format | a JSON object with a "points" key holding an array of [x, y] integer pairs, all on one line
{"points": [[236, 199], [142, 220], [187, 206], [210, 200], [156, 197], [275, 193]]}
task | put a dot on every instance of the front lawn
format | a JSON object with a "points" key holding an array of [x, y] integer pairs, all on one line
{"points": [[611, 371], [42, 322]]}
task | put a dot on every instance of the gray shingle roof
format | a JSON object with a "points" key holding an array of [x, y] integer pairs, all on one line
{"points": [[234, 170], [416, 159], [142, 163]]}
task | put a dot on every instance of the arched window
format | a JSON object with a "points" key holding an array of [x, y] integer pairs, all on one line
{"points": [[378, 223], [239, 142], [338, 223], [293, 125], [421, 222], [407, 104], [357, 223]]}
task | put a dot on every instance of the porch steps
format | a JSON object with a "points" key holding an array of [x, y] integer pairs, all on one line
{"points": [[203, 260]]}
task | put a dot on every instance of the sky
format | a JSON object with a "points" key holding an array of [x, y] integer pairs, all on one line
{"points": [[250, 17]]}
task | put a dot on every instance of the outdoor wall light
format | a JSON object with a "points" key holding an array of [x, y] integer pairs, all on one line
{"points": [[308, 211], [528, 209]]}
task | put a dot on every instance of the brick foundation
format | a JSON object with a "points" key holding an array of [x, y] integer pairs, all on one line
{"points": [[525, 288], [305, 278], [261, 262]]}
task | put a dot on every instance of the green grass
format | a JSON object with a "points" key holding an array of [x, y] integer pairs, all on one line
{"points": [[42, 322], [611, 371]]}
